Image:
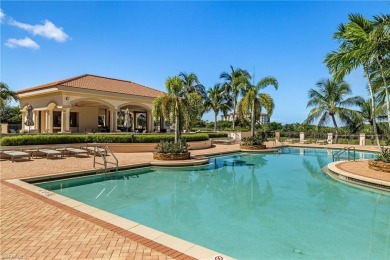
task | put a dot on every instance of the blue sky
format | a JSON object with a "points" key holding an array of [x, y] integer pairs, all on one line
{"points": [[146, 42]]}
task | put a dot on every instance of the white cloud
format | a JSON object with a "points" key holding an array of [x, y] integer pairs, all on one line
{"points": [[26, 42], [2, 15], [47, 30]]}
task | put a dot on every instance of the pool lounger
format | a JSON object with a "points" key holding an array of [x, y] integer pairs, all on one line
{"points": [[50, 152], [92, 149], [77, 151], [16, 154]]}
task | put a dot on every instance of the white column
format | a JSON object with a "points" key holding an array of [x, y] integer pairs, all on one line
{"points": [[362, 140], [115, 120], [63, 121], [67, 119], [149, 122], [112, 120], [50, 121], [23, 120]]}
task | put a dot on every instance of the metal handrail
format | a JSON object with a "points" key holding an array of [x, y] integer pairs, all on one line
{"points": [[347, 150], [103, 156]]}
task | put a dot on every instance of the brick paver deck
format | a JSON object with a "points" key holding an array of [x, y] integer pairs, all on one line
{"points": [[35, 228]]}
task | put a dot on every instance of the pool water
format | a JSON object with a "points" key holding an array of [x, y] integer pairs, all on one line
{"points": [[249, 206]]}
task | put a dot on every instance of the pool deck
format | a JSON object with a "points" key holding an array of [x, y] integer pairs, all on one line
{"points": [[35, 226]]}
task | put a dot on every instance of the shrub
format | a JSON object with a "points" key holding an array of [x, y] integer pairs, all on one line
{"points": [[384, 155], [172, 147], [258, 139], [217, 134], [94, 138]]}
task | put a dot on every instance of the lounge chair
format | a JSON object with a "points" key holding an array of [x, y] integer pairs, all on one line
{"points": [[304, 141], [16, 154], [50, 152], [321, 142], [95, 148], [77, 151], [291, 141]]}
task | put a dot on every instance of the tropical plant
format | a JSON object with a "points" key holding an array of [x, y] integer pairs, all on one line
{"points": [[330, 101], [362, 43], [253, 100], [217, 100], [235, 81], [172, 147], [257, 139], [176, 105], [384, 155], [6, 94]]}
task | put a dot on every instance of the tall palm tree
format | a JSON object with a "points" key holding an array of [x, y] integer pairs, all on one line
{"points": [[253, 96], [6, 94], [352, 53], [235, 81], [330, 101], [217, 100], [191, 84], [169, 105]]}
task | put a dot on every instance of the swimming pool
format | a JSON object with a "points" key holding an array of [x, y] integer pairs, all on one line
{"points": [[249, 206]]}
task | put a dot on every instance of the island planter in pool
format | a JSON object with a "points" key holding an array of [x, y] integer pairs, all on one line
{"points": [[168, 150], [253, 147], [171, 156], [379, 165]]}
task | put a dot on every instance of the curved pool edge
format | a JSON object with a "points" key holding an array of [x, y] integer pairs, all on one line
{"points": [[354, 179]]}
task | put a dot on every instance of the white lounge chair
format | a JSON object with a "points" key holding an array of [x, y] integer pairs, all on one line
{"points": [[50, 152], [16, 154], [77, 151], [95, 148]]}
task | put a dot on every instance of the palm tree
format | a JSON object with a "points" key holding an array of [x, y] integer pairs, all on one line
{"points": [[191, 84], [175, 105], [6, 94], [253, 97], [217, 100], [352, 53], [329, 102], [235, 81]]}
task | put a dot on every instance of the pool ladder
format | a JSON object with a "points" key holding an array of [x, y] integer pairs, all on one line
{"points": [[103, 155], [348, 150]]}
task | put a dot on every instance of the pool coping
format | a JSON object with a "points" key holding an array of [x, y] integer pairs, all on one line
{"points": [[356, 180]]}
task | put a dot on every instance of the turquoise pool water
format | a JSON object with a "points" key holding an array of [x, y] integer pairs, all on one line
{"points": [[249, 206]]}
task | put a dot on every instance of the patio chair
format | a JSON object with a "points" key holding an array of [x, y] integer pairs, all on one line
{"points": [[16, 154], [323, 142], [77, 151], [50, 152], [95, 148]]}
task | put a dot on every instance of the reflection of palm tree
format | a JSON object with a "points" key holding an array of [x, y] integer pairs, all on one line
{"points": [[321, 186]]}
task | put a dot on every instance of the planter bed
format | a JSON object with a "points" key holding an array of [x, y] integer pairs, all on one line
{"points": [[379, 166], [171, 156]]}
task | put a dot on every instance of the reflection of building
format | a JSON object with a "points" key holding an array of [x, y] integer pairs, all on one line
{"points": [[87, 103], [264, 119]]}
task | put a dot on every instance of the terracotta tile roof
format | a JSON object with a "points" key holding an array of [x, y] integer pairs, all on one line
{"points": [[93, 82]]}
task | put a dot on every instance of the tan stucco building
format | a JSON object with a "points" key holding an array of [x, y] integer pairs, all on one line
{"points": [[87, 103]]}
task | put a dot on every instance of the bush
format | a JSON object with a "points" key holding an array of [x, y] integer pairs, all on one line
{"points": [[258, 139], [171, 147], [217, 134], [384, 155], [94, 138]]}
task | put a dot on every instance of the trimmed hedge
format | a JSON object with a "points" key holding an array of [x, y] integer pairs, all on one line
{"points": [[95, 138], [217, 134]]}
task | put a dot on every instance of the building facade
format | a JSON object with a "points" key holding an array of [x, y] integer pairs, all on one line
{"points": [[88, 103]]}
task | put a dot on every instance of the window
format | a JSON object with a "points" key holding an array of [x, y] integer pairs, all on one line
{"points": [[73, 122], [56, 118]]}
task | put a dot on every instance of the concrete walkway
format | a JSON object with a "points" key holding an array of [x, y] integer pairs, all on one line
{"points": [[35, 228]]}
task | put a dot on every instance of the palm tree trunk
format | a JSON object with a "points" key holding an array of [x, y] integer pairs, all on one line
{"points": [[215, 120], [372, 106], [234, 111], [177, 123], [253, 119], [336, 128], [379, 60]]}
